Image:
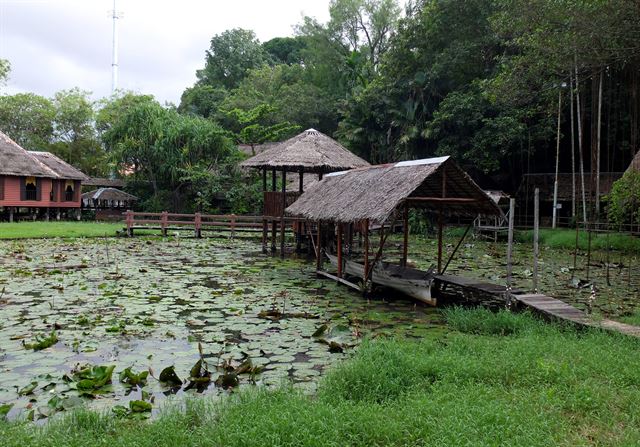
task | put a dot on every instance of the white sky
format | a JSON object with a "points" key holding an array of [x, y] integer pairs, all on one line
{"points": [[61, 44]]}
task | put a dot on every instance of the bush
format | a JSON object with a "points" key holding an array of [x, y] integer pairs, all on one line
{"points": [[481, 321]]}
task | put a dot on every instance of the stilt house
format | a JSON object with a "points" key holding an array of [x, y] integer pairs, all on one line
{"points": [[36, 181]]}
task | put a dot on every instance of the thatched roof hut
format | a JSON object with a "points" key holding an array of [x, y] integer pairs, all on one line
{"points": [[61, 168], [310, 151], [18, 162], [373, 193], [108, 195]]}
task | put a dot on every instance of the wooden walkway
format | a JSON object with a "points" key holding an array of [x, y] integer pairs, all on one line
{"points": [[493, 295], [559, 310]]}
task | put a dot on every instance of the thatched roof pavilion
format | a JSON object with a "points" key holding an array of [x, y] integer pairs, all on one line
{"points": [[60, 167], [110, 196], [377, 194], [374, 193], [310, 151], [18, 162]]}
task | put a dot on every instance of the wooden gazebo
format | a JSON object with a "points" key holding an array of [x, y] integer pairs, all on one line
{"points": [[381, 195], [310, 152]]}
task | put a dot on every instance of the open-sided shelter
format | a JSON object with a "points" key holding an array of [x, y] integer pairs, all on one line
{"points": [[310, 152], [108, 203], [36, 180], [381, 195]]}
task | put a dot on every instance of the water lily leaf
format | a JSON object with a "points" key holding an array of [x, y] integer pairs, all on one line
{"points": [[139, 406], [28, 389], [168, 375], [4, 410], [227, 380], [129, 378], [41, 343]]}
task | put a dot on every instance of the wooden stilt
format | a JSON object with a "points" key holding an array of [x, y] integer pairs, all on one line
{"points": [[265, 225], [299, 225], [440, 225], [455, 250], [512, 212], [319, 247], [365, 234], [11, 214], [284, 205], [273, 221], [536, 233], [339, 250], [405, 241]]}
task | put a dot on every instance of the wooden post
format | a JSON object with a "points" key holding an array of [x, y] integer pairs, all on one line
{"points": [[164, 223], [365, 234], [455, 250], [405, 242], [57, 213], [46, 214], [588, 249], [299, 225], [10, 214], [129, 220], [440, 225], [339, 250], [198, 225], [284, 205], [273, 220], [265, 225], [536, 234], [233, 226], [512, 207], [319, 247]]}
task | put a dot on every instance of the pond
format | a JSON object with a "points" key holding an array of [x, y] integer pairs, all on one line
{"points": [[71, 309]]}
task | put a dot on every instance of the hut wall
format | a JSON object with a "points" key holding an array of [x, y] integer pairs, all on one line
{"points": [[12, 188]]}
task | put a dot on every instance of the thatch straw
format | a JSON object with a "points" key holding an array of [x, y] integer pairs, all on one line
{"points": [[105, 182], [62, 169], [310, 151], [16, 161], [375, 192]]}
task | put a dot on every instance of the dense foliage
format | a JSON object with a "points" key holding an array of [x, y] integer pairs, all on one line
{"points": [[486, 81]]}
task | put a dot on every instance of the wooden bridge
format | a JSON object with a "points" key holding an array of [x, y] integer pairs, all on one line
{"points": [[198, 222], [493, 295]]}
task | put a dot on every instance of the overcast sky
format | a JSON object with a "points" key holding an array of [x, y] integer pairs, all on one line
{"points": [[61, 44]]}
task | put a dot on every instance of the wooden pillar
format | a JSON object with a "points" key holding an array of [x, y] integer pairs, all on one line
{"points": [[301, 181], [46, 214], [57, 213], [339, 250], [319, 247], [265, 225], [164, 223], [536, 233], [284, 205], [440, 225], [299, 225], [365, 233], [198, 225], [273, 220], [512, 212], [405, 241], [319, 175]]}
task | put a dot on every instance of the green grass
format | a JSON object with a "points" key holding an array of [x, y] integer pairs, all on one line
{"points": [[29, 230], [541, 385], [566, 239]]}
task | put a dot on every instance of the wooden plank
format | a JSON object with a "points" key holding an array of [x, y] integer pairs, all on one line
{"points": [[340, 280]]}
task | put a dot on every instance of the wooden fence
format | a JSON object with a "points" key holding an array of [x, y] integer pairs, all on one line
{"points": [[198, 222]]}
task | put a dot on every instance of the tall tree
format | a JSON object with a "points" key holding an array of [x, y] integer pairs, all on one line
{"points": [[28, 119], [231, 55]]}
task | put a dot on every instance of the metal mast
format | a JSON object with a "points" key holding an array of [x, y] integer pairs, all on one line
{"points": [[115, 15]]}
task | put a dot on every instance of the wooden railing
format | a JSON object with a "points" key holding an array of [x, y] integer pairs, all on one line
{"points": [[165, 221], [273, 202]]}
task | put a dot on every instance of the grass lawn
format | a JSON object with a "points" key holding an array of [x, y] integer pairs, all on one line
{"points": [[494, 379], [28, 230]]}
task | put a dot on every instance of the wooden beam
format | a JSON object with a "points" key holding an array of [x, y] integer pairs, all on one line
{"points": [[405, 241], [440, 225], [301, 181], [457, 247], [443, 200], [319, 247], [366, 252], [284, 205], [339, 250], [340, 280]]}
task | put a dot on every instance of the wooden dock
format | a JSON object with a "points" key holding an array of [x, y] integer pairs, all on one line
{"points": [[559, 310], [473, 291]]}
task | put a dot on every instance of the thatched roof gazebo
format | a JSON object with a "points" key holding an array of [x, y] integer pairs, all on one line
{"points": [[309, 152], [384, 193]]}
